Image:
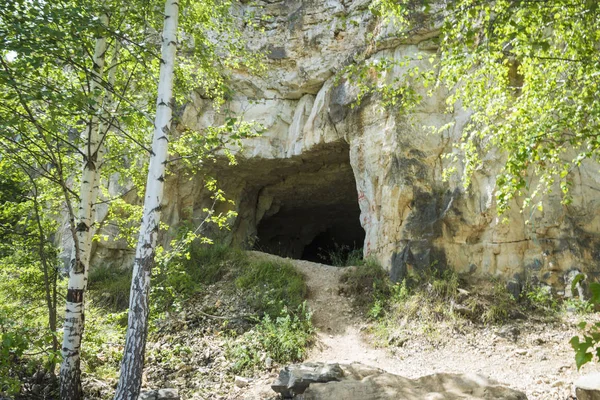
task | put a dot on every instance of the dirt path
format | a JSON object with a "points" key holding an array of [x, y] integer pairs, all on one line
{"points": [[338, 330], [537, 359]]}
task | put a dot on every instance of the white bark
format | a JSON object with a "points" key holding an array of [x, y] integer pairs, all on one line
{"points": [[70, 374], [104, 127], [130, 380]]}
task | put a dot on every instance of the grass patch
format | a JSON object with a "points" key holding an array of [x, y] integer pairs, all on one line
{"points": [[273, 291], [283, 339], [271, 285], [101, 350], [436, 301], [109, 288], [208, 264]]}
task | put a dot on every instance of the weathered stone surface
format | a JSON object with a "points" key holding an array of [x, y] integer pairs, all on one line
{"points": [[160, 394], [167, 394], [294, 379], [322, 164], [148, 395], [588, 387], [241, 381], [360, 382]]}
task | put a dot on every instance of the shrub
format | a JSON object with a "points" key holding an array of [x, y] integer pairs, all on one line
{"points": [[342, 255], [14, 342], [186, 275], [497, 306], [284, 339], [578, 306], [366, 284], [444, 284], [541, 298], [109, 288], [272, 284], [587, 347]]}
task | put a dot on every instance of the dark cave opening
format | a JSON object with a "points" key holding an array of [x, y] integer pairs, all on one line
{"points": [[313, 213], [335, 245]]}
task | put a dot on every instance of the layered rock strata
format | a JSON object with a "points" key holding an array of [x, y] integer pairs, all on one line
{"points": [[326, 168]]}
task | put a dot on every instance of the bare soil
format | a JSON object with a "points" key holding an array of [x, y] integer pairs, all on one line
{"points": [[532, 356]]}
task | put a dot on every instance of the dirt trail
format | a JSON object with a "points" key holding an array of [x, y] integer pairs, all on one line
{"points": [[538, 361], [339, 337]]}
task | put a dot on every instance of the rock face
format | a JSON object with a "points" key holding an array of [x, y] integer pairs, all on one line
{"points": [[359, 382], [369, 175]]}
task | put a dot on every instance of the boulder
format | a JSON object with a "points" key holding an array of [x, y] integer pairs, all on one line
{"points": [[294, 379], [359, 382]]}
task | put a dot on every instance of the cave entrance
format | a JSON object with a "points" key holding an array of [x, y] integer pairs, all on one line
{"points": [[313, 212]]}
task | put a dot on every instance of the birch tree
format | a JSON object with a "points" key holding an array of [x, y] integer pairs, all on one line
{"points": [[130, 380], [70, 373], [52, 78], [49, 82]]}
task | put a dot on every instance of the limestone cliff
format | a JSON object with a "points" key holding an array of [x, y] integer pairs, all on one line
{"points": [[371, 174]]}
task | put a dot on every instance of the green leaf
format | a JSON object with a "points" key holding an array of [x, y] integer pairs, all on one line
{"points": [[574, 342], [578, 278], [582, 358]]}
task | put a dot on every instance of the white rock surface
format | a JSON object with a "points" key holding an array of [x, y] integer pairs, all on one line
{"points": [[411, 218]]}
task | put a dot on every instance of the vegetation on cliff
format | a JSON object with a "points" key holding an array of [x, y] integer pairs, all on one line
{"points": [[78, 87]]}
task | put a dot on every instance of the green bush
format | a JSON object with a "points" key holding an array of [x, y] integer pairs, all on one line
{"points": [[587, 346], [284, 339], [341, 255], [271, 285], [109, 287], [541, 298], [184, 276], [14, 342], [579, 306], [366, 284], [26, 342]]}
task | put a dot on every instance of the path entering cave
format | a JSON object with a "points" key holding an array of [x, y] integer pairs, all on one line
{"points": [[312, 213]]}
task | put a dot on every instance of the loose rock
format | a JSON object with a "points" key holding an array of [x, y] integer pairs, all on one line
{"points": [[294, 379], [588, 387]]}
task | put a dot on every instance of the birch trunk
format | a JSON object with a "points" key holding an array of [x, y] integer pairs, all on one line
{"points": [[130, 380], [70, 372], [104, 126]]}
